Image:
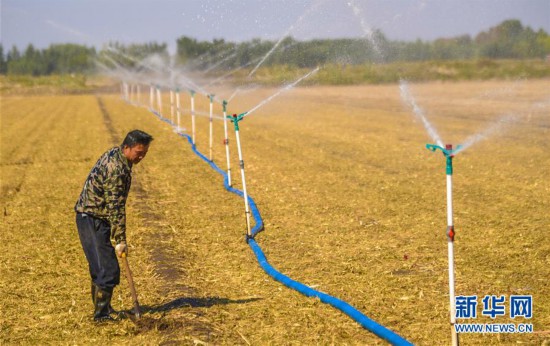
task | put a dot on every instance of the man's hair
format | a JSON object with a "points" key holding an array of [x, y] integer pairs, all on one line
{"points": [[137, 137]]}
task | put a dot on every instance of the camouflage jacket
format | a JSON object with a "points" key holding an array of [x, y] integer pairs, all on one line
{"points": [[105, 191]]}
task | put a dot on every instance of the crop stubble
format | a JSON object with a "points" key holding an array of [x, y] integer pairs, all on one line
{"points": [[353, 205]]}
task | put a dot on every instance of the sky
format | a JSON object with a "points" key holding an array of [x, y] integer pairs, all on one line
{"points": [[97, 22]]}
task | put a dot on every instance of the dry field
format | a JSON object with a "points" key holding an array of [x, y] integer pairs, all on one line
{"points": [[353, 205]]}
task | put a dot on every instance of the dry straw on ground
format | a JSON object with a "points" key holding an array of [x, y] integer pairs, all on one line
{"points": [[353, 204]]}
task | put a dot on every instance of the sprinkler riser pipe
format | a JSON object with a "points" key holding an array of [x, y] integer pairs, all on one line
{"points": [[178, 110], [226, 143], [193, 116], [245, 194], [159, 101], [172, 106], [450, 252], [139, 95], [211, 142], [449, 154]]}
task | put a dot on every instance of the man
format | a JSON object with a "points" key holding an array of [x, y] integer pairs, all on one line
{"points": [[101, 216]]}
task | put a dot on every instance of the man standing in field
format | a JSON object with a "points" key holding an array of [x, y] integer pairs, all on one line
{"points": [[101, 216]]}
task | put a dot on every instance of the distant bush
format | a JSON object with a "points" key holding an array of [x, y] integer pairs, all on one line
{"points": [[336, 74]]}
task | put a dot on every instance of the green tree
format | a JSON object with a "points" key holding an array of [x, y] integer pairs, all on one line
{"points": [[3, 61]]}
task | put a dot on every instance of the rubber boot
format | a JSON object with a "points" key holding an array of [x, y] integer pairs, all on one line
{"points": [[102, 303], [94, 289]]}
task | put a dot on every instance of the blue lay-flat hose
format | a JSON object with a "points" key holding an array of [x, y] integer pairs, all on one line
{"points": [[341, 305]]}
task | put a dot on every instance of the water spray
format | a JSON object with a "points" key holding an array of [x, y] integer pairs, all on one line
{"points": [[418, 112], [286, 34], [138, 87], [219, 62], [285, 88], [368, 32], [226, 142], [211, 120], [449, 153], [495, 127], [235, 120]]}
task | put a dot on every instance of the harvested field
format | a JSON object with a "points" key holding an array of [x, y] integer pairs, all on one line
{"points": [[353, 205]]}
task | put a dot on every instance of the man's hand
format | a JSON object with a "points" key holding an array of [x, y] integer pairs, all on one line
{"points": [[121, 249]]}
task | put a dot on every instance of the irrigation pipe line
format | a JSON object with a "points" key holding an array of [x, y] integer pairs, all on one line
{"points": [[339, 304]]}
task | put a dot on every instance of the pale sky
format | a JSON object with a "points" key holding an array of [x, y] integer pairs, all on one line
{"points": [[95, 22]]}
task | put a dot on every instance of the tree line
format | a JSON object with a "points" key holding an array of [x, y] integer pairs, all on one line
{"points": [[508, 40]]}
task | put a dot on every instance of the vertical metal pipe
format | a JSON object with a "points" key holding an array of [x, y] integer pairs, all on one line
{"points": [[450, 242], [226, 142], [178, 110], [449, 154], [211, 141], [193, 114], [450, 250], [172, 106], [159, 101], [241, 162]]}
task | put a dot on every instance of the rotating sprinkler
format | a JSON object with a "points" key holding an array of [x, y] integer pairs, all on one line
{"points": [[235, 120], [449, 153], [226, 142], [211, 97], [192, 93]]}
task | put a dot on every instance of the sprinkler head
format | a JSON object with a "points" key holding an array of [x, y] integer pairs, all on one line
{"points": [[449, 149]]}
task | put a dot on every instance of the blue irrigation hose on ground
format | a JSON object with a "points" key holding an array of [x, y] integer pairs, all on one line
{"points": [[341, 305]]}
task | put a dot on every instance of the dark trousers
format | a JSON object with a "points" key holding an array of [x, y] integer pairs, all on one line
{"points": [[95, 236]]}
